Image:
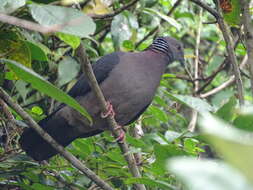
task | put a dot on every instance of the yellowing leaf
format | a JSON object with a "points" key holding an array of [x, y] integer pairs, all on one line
{"points": [[14, 48], [96, 7]]}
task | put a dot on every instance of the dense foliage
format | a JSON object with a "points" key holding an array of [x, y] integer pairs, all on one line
{"points": [[194, 135]]}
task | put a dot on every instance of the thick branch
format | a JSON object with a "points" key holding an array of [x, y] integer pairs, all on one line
{"points": [[87, 69], [31, 25], [207, 8], [248, 32], [231, 54], [68, 156]]}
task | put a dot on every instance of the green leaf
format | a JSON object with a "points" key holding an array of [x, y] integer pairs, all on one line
{"points": [[236, 146], [190, 145], [39, 186], [13, 47], [71, 40], [22, 89], [37, 53], [163, 153], [68, 69], [9, 6], [168, 19], [244, 122], [128, 45], [196, 103], [37, 110], [83, 147], [226, 112], [206, 174], [245, 119], [135, 142], [233, 18], [158, 113], [172, 135], [74, 22], [150, 182], [44, 86]]}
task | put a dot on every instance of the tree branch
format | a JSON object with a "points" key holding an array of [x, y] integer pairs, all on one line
{"points": [[34, 26], [248, 32], [68, 156], [229, 44], [207, 8], [225, 84], [87, 69], [194, 118], [231, 53]]}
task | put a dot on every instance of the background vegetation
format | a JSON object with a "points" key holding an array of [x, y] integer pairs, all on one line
{"points": [[197, 134]]}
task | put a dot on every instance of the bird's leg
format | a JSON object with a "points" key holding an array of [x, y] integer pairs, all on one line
{"points": [[109, 111]]}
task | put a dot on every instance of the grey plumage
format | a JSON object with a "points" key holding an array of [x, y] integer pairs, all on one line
{"points": [[128, 80]]}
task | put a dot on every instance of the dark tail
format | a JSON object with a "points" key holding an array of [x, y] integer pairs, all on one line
{"points": [[55, 125], [36, 147]]}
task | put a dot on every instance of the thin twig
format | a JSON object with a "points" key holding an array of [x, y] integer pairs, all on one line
{"points": [[87, 69], [212, 76], [230, 81], [68, 156], [137, 132], [248, 32], [193, 122]]}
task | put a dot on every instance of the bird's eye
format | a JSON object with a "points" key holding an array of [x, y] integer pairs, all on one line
{"points": [[179, 48]]}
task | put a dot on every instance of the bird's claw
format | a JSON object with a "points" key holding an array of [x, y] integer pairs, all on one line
{"points": [[109, 111], [121, 136]]}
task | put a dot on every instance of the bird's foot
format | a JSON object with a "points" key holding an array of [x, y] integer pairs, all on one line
{"points": [[122, 134], [109, 111]]}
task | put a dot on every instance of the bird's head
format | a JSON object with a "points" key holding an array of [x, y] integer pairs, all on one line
{"points": [[171, 47]]}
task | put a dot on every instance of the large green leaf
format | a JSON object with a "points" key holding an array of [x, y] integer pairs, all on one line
{"points": [[73, 22], [150, 182], [44, 86], [162, 153], [37, 52], [244, 119], [196, 103], [236, 146], [9, 6], [13, 47], [168, 19], [71, 40], [207, 174], [226, 112]]}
